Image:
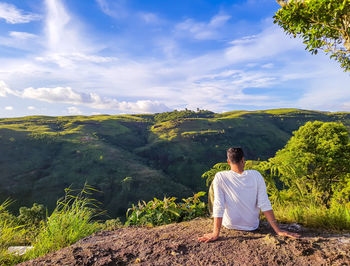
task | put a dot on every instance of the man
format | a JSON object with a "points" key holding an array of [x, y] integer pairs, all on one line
{"points": [[238, 197]]}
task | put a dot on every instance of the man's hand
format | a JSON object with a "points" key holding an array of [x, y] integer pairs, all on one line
{"points": [[288, 234], [208, 238]]}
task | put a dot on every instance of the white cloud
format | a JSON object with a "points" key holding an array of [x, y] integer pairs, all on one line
{"points": [[272, 41], [4, 90], [115, 9], [244, 40], [59, 94], [60, 30], [74, 110], [13, 15], [268, 65], [31, 108], [202, 30], [149, 18], [70, 59], [9, 108], [327, 93], [22, 35], [68, 96]]}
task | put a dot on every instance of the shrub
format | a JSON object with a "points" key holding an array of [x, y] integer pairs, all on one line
{"points": [[160, 212], [112, 224]]}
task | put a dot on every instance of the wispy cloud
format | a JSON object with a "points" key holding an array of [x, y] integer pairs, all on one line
{"points": [[202, 30], [116, 9], [74, 110], [22, 35], [271, 41], [69, 59], [13, 15], [149, 18], [62, 31], [327, 93]]}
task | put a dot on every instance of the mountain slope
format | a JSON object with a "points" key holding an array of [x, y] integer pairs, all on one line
{"points": [[133, 157]]}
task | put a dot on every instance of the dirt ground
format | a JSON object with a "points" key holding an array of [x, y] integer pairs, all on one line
{"points": [[177, 244]]}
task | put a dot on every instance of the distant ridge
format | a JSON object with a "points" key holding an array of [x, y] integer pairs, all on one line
{"points": [[133, 157]]}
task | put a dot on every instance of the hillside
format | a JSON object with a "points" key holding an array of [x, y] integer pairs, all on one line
{"points": [[133, 157], [177, 244]]}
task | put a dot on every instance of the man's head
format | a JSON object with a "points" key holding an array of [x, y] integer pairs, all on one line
{"points": [[235, 155]]}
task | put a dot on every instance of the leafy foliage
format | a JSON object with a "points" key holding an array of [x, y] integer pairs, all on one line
{"points": [[159, 212], [315, 161], [323, 25], [166, 116], [309, 179], [31, 216], [209, 175]]}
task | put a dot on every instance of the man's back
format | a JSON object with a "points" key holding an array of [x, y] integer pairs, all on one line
{"points": [[238, 198]]}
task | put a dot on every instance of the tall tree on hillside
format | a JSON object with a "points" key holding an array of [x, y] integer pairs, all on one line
{"points": [[315, 160], [323, 25]]}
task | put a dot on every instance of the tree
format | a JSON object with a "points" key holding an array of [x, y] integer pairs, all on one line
{"points": [[315, 160], [323, 25]]}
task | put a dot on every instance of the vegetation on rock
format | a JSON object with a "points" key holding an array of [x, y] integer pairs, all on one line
{"points": [[158, 212]]}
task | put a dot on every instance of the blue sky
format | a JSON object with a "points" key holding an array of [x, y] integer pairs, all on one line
{"points": [[64, 57]]}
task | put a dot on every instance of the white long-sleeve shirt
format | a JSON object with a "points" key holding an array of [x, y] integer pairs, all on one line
{"points": [[238, 198]]}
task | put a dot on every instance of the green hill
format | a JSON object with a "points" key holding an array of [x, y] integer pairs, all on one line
{"points": [[132, 157]]}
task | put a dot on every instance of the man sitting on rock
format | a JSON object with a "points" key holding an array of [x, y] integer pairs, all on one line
{"points": [[238, 196]]}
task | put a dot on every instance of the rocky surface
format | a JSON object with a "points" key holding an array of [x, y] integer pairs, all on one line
{"points": [[177, 244]]}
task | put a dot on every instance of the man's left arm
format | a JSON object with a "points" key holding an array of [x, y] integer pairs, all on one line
{"points": [[265, 206], [272, 221]]}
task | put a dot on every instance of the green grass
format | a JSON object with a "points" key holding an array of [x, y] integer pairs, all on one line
{"points": [[11, 232], [71, 221], [333, 218]]}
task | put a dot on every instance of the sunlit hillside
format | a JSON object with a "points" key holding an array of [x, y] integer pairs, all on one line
{"points": [[132, 157]]}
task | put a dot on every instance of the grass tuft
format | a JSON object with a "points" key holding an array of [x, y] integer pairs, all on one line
{"points": [[71, 221]]}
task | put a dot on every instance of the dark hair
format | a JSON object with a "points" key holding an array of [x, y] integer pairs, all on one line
{"points": [[235, 154]]}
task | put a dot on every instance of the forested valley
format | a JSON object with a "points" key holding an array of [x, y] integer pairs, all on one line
{"points": [[134, 157]]}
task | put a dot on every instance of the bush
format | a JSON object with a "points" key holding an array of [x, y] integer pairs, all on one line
{"points": [[315, 161], [158, 212], [31, 216], [112, 224], [166, 116]]}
